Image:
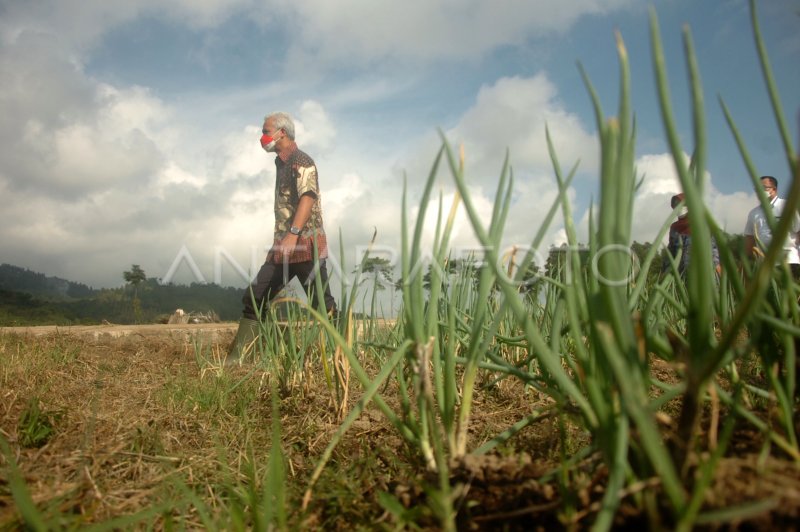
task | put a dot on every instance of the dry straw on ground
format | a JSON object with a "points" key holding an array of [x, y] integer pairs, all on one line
{"points": [[134, 413]]}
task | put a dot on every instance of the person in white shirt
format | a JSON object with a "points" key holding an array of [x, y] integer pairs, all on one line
{"points": [[758, 233]]}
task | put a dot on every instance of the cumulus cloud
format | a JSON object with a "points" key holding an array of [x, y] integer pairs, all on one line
{"points": [[93, 174], [65, 135], [514, 114], [510, 116]]}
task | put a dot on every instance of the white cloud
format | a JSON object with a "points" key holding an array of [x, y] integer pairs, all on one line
{"points": [[314, 127], [81, 25], [514, 114], [510, 114], [652, 201], [86, 159], [240, 155], [730, 210], [96, 176], [65, 135], [422, 30]]}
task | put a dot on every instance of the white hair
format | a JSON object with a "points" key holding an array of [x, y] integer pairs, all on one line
{"points": [[282, 121]]}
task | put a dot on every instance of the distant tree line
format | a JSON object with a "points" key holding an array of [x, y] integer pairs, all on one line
{"points": [[30, 298], [16, 279]]}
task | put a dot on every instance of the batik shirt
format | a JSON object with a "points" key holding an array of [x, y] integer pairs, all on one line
{"points": [[295, 177]]}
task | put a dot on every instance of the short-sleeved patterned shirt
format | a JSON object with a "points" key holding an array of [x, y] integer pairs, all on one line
{"points": [[295, 177]]}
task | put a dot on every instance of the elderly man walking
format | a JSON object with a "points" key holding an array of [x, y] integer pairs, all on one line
{"points": [[298, 229]]}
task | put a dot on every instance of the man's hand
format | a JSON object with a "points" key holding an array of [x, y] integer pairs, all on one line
{"points": [[287, 244], [750, 247]]}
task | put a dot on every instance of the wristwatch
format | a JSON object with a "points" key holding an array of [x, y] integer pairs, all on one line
{"points": [[294, 230]]}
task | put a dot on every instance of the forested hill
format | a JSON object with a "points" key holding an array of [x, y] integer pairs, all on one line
{"points": [[31, 298], [16, 279]]}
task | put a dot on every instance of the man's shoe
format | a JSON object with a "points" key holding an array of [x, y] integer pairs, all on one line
{"points": [[245, 342]]}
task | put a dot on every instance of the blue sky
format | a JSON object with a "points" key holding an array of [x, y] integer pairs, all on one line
{"points": [[130, 128]]}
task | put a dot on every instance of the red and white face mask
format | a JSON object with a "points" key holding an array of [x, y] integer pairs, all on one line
{"points": [[267, 142]]}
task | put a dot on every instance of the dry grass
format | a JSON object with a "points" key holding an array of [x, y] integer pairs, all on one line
{"points": [[135, 414]]}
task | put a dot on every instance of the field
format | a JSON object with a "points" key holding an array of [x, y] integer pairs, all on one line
{"points": [[137, 423]]}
